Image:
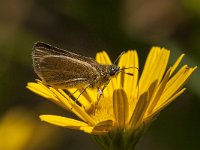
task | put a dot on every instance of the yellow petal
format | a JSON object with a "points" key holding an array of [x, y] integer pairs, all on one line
{"points": [[43, 91], [148, 66], [73, 106], [175, 77], [175, 83], [84, 99], [129, 83], [40, 90], [91, 130], [163, 105], [163, 63], [158, 92], [105, 125], [177, 63], [154, 68], [101, 128], [61, 98], [139, 112], [87, 129], [103, 58], [82, 114], [170, 100], [120, 107], [63, 121]]}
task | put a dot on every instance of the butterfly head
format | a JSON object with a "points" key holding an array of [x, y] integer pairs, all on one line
{"points": [[113, 70]]}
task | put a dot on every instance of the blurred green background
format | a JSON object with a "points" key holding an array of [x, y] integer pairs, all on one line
{"points": [[86, 27]]}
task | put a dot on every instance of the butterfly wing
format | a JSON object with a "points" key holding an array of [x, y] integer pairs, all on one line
{"points": [[41, 49], [60, 68]]}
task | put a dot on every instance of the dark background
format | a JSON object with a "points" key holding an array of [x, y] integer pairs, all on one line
{"points": [[89, 26]]}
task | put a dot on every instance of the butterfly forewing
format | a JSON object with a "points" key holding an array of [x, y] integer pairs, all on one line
{"points": [[61, 68], [41, 49]]}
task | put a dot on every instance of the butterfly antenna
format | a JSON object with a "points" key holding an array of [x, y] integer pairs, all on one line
{"points": [[129, 68], [118, 57], [130, 74]]}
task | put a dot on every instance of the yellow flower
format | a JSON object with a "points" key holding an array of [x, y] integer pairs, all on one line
{"points": [[127, 103]]}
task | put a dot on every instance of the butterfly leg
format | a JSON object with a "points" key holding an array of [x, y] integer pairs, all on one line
{"points": [[83, 90], [72, 97], [75, 91], [100, 92]]}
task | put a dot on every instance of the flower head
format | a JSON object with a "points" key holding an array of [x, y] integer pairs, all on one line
{"points": [[127, 103]]}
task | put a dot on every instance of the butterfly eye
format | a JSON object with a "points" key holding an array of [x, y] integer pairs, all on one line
{"points": [[113, 70]]}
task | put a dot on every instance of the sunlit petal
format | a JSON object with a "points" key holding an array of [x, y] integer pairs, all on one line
{"points": [[120, 108]]}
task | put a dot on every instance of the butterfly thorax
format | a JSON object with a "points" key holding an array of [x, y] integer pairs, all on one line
{"points": [[106, 72]]}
